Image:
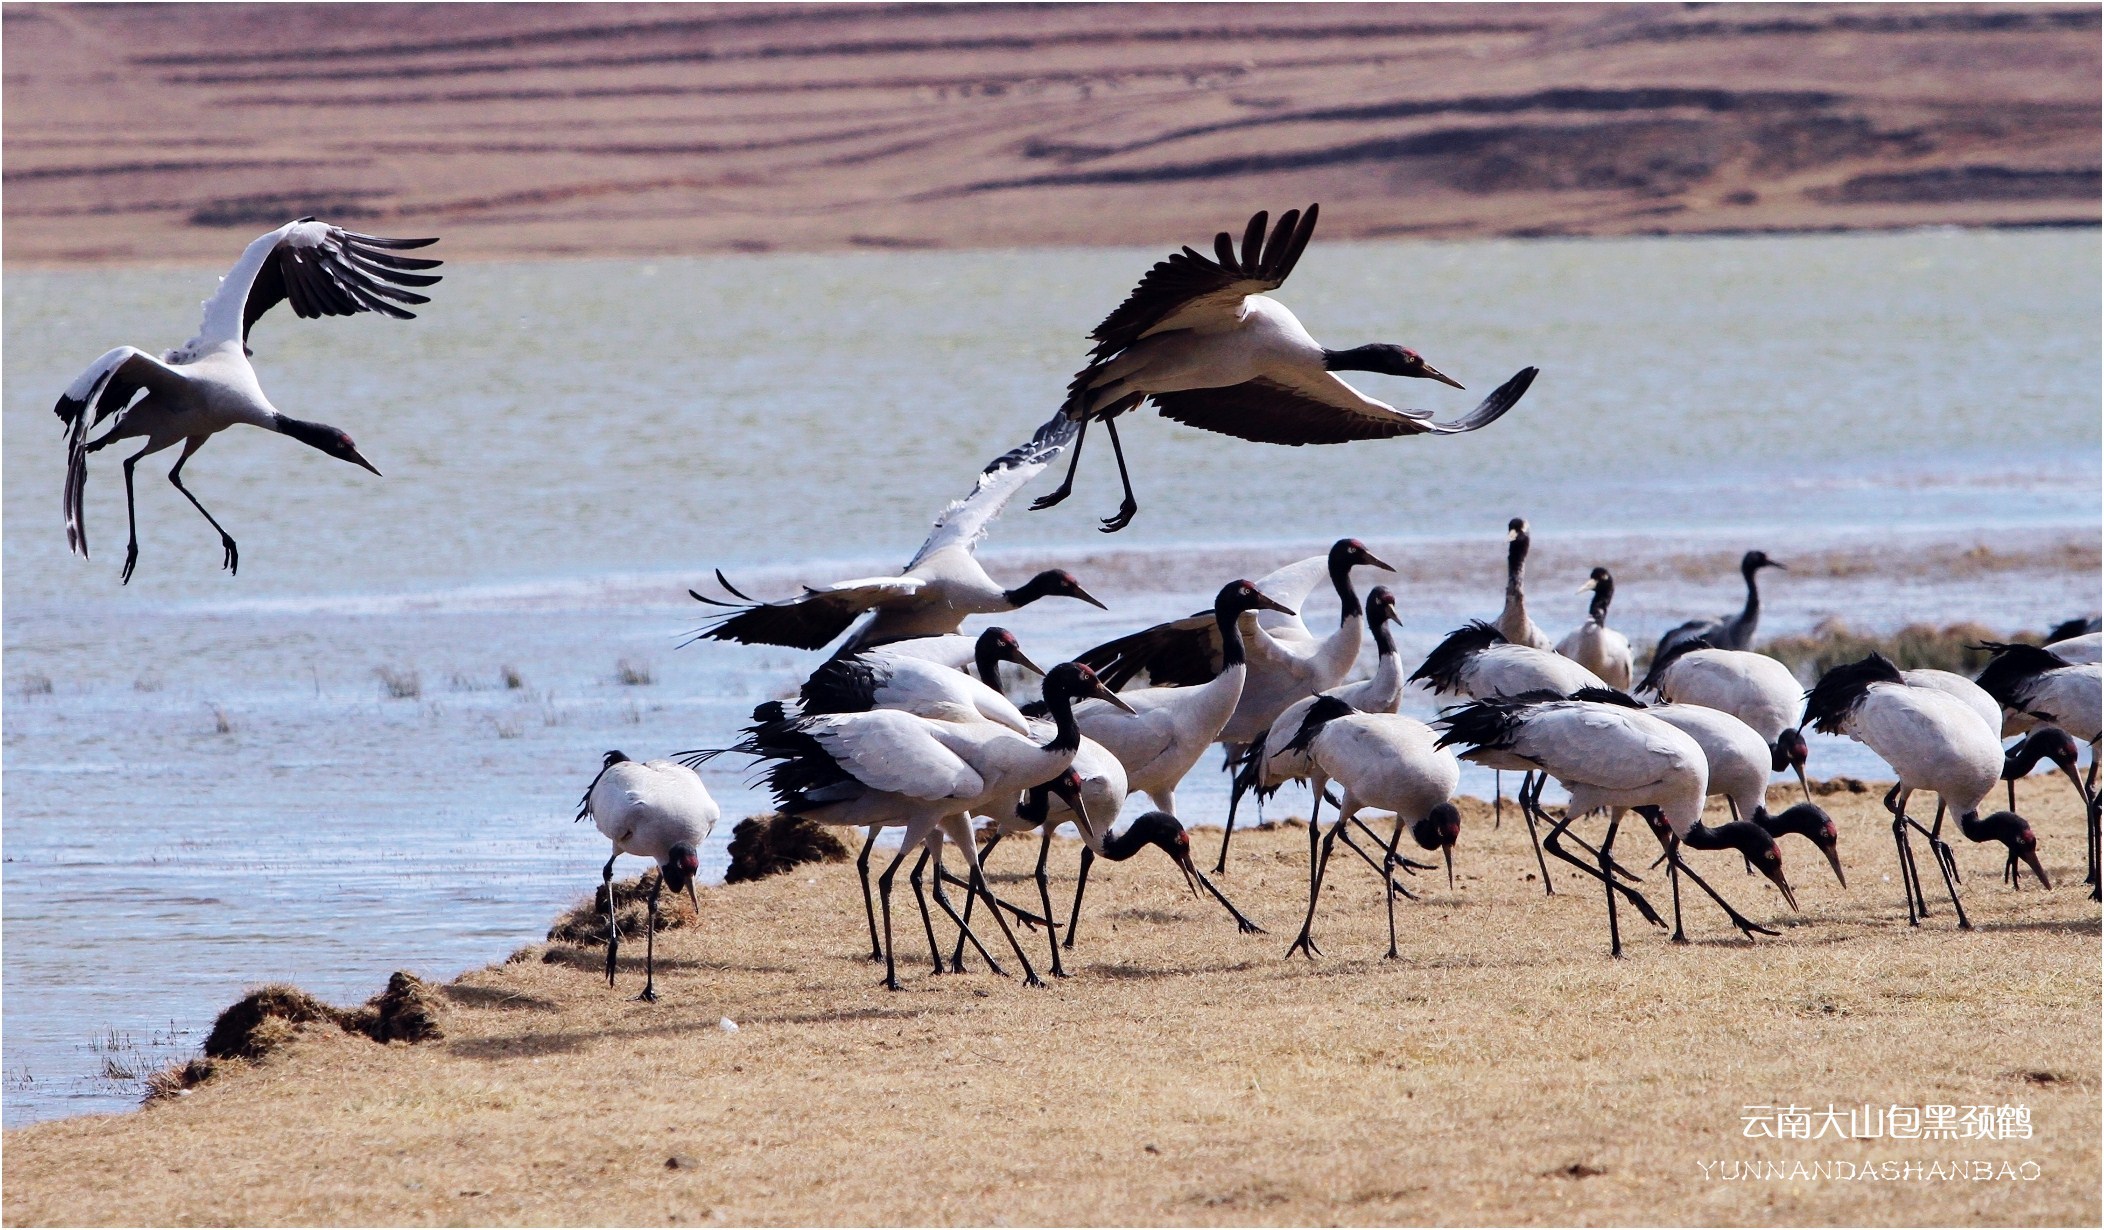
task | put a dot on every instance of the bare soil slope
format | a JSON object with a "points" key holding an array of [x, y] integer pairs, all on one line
{"points": [[1503, 1070], [170, 132]]}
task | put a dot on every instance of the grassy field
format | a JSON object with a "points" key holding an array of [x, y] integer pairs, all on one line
{"points": [[1504, 1070]]}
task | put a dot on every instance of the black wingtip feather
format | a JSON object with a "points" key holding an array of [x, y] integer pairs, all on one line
{"points": [[1442, 667], [1253, 241], [1838, 692], [1664, 661]]}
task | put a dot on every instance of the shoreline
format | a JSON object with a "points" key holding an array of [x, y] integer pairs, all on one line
{"points": [[551, 1098], [524, 256]]}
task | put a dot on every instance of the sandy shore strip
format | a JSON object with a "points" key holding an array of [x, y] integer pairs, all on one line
{"points": [[1503, 1070]]}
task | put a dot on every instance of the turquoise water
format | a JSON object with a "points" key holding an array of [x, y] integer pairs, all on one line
{"points": [[207, 784]]}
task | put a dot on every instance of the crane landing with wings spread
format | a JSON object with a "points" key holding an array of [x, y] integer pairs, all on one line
{"points": [[941, 585], [1204, 340], [206, 385]]}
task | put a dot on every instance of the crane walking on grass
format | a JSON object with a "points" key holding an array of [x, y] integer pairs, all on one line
{"points": [[206, 385], [655, 809], [1214, 351], [2039, 688], [1933, 741]]}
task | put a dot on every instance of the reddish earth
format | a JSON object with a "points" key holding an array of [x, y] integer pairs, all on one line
{"points": [[170, 132]]}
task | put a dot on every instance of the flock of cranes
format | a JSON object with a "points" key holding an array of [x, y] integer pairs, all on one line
{"points": [[908, 724]]}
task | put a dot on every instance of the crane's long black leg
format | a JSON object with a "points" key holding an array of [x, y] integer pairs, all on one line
{"points": [[1044, 896], [1607, 877], [942, 899], [1942, 848], [2096, 829], [1528, 808], [1242, 921], [869, 908], [131, 517], [1030, 978], [1394, 885], [1899, 841], [613, 928], [232, 560], [1305, 944], [1081, 884], [1680, 935], [1410, 865], [1066, 485], [920, 898], [957, 954], [1234, 801], [649, 995], [1129, 505], [891, 968], [1943, 863], [1394, 840], [1553, 844]]}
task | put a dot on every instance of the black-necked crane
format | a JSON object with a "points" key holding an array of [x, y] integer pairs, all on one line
{"points": [[895, 769], [1287, 661], [1752, 687], [1933, 741], [1476, 661], [2036, 687], [1158, 733], [887, 678], [1268, 763], [1614, 756], [939, 588], [206, 385], [654, 809], [1595, 646], [1214, 351], [1739, 766], [1513, 623], [1380, 760], [1726, 631]]}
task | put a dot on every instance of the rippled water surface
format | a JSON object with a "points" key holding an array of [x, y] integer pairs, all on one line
{"points": [[209, 783]]}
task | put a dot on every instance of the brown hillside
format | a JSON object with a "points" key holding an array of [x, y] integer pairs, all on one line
{"points": [[166, 132]]}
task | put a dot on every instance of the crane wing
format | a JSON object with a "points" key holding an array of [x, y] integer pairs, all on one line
{"points": [[106, 388], [808, 621], [1181, 652], [965, 520], [1292, 409], [887, 750], [1186, 288], [321, 270]]}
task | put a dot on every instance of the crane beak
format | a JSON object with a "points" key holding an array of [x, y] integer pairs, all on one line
{"points": [[1802, 784], [1379, 563], [1023, 660], [1266, 603], [1430, 372], [1089, 598], [1103, 693], [356, 458], [1447, 852], [2030, 857], [695, 898], [1833, 858], [1589, 586], [1776, 876], [1190, 873], [1511, 535]]}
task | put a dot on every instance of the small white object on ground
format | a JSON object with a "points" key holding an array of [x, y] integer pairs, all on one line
{"points": [[727, 1025]]}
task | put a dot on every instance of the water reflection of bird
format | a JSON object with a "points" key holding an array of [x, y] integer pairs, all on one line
{"points": [[1203, 340], [206, 385], [940, 586]]}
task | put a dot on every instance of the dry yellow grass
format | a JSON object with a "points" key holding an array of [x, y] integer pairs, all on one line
{"points": [[1505, 1070]]}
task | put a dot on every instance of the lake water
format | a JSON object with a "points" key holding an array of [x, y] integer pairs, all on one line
{"points": [[207, 784]]}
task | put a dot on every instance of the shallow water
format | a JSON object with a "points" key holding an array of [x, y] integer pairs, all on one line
{"points": [[207, 785]]}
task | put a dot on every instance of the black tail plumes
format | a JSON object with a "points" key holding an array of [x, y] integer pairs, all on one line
{"points": [[1668, 657], [2011, 668], [1609, 696], [1840, 690], [584, 804], [1486, 723], [1442, 667]]}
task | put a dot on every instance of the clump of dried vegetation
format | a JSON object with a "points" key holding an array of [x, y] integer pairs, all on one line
{"points": [[585, 923], [1915, 647], [399, 683], [763, 846], [265, 1020]]}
